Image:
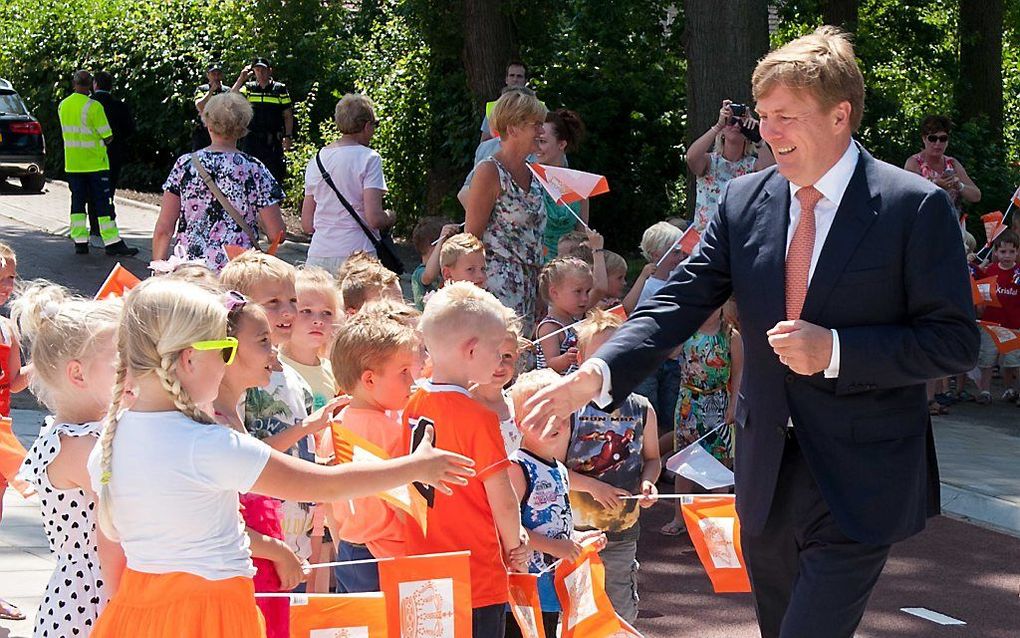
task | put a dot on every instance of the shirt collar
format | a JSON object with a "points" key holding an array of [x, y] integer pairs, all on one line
{"points": [[834, 183]]}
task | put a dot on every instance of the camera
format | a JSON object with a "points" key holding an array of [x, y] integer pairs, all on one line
{"points": [[738, 110]]}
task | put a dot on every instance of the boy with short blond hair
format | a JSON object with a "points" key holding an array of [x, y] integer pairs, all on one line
{"points": [[368, 284], [461, 257], [318, 312], [463, 327], [372, 358]]}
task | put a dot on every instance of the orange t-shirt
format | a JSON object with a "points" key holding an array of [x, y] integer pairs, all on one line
{"points": [[463, 520], [369, 520]]}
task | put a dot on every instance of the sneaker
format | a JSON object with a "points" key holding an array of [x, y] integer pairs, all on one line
{"points": [[81, 249], [120, 249], [1009, 395], [984, 398]]}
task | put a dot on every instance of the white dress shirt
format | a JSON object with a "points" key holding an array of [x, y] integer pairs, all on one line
{"points": [[832, 185]]}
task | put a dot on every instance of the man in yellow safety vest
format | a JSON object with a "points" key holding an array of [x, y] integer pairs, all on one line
{"points": [[86, 133]]}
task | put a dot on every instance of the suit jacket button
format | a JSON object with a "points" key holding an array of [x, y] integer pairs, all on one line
{"points": [[789, 378]]}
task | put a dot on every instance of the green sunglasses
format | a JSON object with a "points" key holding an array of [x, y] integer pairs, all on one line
{"points": [[227, 347]]}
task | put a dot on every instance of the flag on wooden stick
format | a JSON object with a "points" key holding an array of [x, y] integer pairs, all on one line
{"points": [[715, 531], [985, 292], [427, 596], [581, 588], [566, 186], [119, 281], [338, 615], [993, 223]]}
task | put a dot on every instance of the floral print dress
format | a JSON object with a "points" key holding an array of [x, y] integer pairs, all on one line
{"points": [[704, 393], [710, 185], [204, 228], [513, 245]]}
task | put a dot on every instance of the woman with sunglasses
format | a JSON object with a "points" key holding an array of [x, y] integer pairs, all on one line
{"points": [[934, 165]]}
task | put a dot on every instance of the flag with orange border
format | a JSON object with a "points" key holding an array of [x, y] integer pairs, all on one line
{"points": [[619, 311], [12, 455], [993, 223], [1006, 339], [689, 240], [715, 532], [119, 281], [427, 596], [349, 447], [985, 292], [1016, 197], [526, 605], [566, 186], [581, 589], [338, 615]]}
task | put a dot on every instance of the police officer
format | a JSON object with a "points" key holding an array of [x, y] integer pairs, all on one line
{"points": [[86, 133], [213, 86], [272, 125]]}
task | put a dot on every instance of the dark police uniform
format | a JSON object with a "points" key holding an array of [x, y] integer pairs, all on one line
{"points": [[266, 131], [200, 135]]}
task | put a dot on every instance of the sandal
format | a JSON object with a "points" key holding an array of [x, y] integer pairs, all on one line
{"points": [[673, 528], [9, 612]]}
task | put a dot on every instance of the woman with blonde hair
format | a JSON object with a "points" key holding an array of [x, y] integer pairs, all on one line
{"points": [[505, 208], [168, 477], [356, 171], [192, 210]]}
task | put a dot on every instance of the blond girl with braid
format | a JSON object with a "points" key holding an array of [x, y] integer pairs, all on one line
{"points": [[168, 477], [72, 346]]}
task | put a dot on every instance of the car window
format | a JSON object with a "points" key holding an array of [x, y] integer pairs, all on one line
{"points": [[10, 103]]}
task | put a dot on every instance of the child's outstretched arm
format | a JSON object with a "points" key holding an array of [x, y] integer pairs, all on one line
{"points": [[652, 462], [600, 278], [606, 495], [506, 512], [283, 441], [433, 270], [634, 294]]}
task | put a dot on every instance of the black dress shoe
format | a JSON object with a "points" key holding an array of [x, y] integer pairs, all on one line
{"points": [[81, 249], [120, 249]]}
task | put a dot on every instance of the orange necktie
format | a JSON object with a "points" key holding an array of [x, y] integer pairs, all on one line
{"points": [[798, 258]]}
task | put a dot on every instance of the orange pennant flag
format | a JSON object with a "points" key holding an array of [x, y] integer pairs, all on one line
{"points": [[233, 251], [275, 244], [993, 225], [338, 616], [566, 185], [1016, 197], [715, 531], [985, 292], [12, 455], [119, 281], [349, 447], [526, 605], [689, 240], [1006, 340], [581, 588], [427, 595], [619, 311]]}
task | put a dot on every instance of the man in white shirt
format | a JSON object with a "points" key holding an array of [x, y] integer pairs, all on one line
{"points": [[852, 290]]}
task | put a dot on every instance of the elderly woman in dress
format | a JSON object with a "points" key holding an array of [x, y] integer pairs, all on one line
{"points": [[505, 208], [191, 213]]}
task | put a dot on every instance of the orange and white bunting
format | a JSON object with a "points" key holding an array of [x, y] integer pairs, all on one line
{"points": [[715, 531], [12, 455], [985, 292], [993, 223], [338, 615], [566, 186], [349, 447], [119, 281], [427, 596], [1006, 340], [526, 605], [581, 588]]}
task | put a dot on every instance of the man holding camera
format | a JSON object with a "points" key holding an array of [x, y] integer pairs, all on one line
{"points": [[213, 86], [272, 124]]}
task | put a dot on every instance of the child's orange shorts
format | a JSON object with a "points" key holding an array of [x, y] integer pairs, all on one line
{"points": [[180, 604]]}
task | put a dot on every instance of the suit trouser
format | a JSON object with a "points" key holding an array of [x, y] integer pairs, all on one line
{"points": [[91, 195], [809, 580]]}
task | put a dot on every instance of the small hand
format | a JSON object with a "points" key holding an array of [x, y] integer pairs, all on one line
{"points": [[608, 496], [519, 556], [440, 468], [595, 240], [649, 494], [321, 417], [560, 400], [289, 568], [801, 346], [571, 355], [648, 271], [448, 231], [594, 537], [569, 549]]}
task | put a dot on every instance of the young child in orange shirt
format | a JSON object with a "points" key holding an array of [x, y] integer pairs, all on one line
{"points": [[463, 327], [373, 359]]}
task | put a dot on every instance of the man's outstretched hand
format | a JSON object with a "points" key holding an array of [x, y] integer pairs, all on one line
{"points": [[561, 399]]}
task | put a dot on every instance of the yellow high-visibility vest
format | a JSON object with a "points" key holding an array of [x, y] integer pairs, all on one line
{"points": [[84, 126]]}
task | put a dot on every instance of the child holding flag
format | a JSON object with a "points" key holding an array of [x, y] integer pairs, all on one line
{"points": [[565, 284], [1007, 277]]}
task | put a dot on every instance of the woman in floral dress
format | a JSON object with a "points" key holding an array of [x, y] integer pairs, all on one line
{"points": [[191, 211], [505, 207]]}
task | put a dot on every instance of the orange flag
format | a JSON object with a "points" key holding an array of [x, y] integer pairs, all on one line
{"points": [[233, 251], [275, 244], [12, 455], [619, 311], [1006, 340], [119, 281], [526, 606], [338, 616], [689, 240], [715, 531], [993, 225], [566, 185], [349, 447], [1016, 197], [427, 595], [581, 588], [985, 292]]}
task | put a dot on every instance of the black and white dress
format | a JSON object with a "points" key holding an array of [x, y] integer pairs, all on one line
{"points": [[75, 594]]}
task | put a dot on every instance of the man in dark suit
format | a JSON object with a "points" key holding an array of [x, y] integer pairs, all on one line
{"points": [[852, 291], [122, 123]]}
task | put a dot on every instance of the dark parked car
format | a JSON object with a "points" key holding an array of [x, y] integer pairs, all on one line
{"points": [[22, 147]]}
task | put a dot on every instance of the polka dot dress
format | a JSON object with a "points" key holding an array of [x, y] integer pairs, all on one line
{"points": [[75, 593]]}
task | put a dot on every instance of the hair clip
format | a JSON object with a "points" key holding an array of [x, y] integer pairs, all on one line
{"points": [[233, 300], [49, 310]]}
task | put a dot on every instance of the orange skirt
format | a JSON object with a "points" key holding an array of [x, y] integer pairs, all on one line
{"points": [[180, 604]]}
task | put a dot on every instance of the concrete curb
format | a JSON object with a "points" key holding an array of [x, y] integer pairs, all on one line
{"points": [[982, 509]]}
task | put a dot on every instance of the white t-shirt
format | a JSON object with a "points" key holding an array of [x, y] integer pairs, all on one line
{"points": [[174, 487], [353, 169]]}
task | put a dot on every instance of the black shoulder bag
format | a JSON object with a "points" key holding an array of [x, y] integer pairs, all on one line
{"points": [[384, 247]]}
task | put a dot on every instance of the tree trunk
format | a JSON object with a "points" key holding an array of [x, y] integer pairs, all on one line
{"points": [[490, 41], [722, 49], [841, 13], [979, 88]]}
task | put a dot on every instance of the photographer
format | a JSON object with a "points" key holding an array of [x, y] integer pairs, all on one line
{"points": [[723, 152]]}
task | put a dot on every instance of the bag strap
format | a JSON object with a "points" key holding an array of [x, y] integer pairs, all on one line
{"points": [[343, 200], [224, 202]]}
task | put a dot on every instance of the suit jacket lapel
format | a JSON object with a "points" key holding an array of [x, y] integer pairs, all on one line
{"points": [[857, 211], [772, 217]]}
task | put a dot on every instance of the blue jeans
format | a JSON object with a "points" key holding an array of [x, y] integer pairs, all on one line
{"points": [[351, 579], [661, 389]]}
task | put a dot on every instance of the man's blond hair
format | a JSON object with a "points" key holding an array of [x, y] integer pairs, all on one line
{"points": [[252, 269], [821, 63], [597, 322], [456, 246], [367, 344], [460, 311]]}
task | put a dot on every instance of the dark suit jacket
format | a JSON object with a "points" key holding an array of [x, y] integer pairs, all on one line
{"points": [[121, 123], [891, 279]]}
